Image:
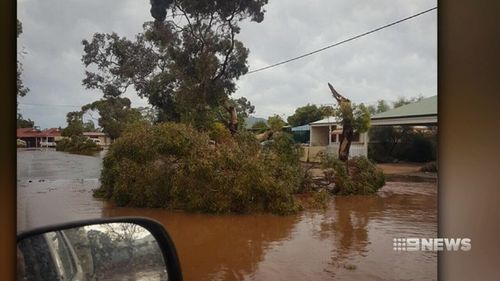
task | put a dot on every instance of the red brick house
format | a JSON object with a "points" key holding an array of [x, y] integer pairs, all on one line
{"points": [[37, 138]]}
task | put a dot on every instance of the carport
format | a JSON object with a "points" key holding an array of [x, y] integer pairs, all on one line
{"points": [[421, 116], [421, 113], [323, 132]]}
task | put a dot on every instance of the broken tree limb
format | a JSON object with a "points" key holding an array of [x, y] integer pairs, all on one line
{"points": [[264, 136], [347, 126], [232, 123], [337, 96], [233, 119]]}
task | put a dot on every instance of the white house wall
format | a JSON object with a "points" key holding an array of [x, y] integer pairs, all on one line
{"points": [[357, 149], [319, 135]]}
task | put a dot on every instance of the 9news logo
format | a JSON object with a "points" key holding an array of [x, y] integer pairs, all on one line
{"points": [[431, 244]]}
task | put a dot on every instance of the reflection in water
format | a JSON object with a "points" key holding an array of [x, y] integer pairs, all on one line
{"points": [[350, 240], [212, 247], [348, 229]]}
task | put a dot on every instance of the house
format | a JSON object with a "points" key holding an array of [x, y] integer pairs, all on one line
{"points": [[324, 138], [420, 113], [301, 134], [324, 134], [34, 137], [99, 138]]}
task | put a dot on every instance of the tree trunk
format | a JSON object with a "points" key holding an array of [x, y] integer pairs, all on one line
{"points": [[233, 120], [347, 129], [345, 142]]}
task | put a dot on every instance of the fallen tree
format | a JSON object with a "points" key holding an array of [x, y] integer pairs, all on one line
{"points": [[356, 175], [172, 165]]}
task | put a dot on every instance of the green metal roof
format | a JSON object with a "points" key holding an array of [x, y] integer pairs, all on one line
{"points": [[427, 106]]}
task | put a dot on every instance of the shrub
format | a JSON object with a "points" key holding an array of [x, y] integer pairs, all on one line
{"points": [[363, 177], [77, 145], [174, 166], [389, 144], [420, 149], [219, 133], [320, 199]]}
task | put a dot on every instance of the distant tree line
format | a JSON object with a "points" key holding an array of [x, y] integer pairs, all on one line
{"points": [[22, 90]]}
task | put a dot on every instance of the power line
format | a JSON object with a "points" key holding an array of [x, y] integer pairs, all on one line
{"points": [[65, 105], [292, 59], [341, 42], [45, 104]]}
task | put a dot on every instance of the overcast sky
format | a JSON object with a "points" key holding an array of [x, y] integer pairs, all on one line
{"points": [[400, 61]]}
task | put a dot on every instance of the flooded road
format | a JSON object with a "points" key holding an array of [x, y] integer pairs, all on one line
{"points": [[350, 240]]}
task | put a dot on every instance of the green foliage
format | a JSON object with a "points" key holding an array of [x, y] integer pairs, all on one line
{"points": [[174, 166], [115, 113], [19, 28], [363, 177], [418, 148], [243, 108], [74, 129], [275, 123], [75, 142], [89, 126], [186, 66], [149, 114], [219, 133], [382, 106], [383, 140], [357, 115], [78, 145], [22, 90], [404, 101], [315, 199], [286, 148], [310, 113], [24, 123], [305, 115], [260, 127], [361, 118], [390, 143], [327, 110], [320, 199]]}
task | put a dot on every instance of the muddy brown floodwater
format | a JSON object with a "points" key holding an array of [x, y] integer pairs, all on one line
{"points": [[350, 240]]}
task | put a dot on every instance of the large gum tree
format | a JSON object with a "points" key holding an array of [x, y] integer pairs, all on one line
{"points": [[185, 62]]}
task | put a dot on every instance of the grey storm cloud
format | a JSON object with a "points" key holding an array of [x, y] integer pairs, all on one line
{"points": [[400, 61]]}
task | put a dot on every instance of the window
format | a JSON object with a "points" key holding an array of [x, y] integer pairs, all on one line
{"points": [[333, 137], [62, 255]]}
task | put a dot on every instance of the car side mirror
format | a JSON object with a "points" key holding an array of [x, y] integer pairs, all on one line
{"points": [[102, 249]]}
